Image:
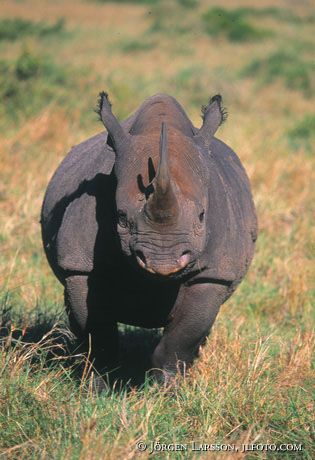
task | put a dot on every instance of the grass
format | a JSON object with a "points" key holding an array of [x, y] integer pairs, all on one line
{"points": [[232, 25], [17, 28], [302, 136], [136, 2], [33, 81], [162, 16], [188, 3], [278, 14], [60, 415], [235, 26], [296, 72], [137, 46], [29, 83], [254, 380]]}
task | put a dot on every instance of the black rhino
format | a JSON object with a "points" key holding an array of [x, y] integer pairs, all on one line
{"points": [[152, 224]]}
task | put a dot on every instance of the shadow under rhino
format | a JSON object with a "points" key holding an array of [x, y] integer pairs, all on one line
{"points": [[50, 345]]}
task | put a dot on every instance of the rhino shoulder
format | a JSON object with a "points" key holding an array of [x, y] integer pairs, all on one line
{"points": [[82, 163], [70, 216], [85, 238]]}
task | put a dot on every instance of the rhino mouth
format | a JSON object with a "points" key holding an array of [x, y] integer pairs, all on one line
{"points": [[163, 271], [163, 268]]}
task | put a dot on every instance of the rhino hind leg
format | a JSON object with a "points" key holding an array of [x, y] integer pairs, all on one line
{"points": [[190, 324], [97, 332]]}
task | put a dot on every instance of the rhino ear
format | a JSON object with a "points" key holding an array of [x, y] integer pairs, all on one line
{"points": [[116, 132], [213, 115]]}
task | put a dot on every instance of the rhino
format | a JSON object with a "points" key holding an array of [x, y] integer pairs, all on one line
{"points": [[150, 223]]}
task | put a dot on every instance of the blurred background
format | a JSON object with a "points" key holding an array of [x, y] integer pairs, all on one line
{"points": [[56, 56]]}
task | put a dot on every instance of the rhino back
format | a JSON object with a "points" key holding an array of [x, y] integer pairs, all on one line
{"points": [[161, 108]]}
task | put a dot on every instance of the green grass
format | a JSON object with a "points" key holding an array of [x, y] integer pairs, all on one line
{"points": [[296, 72], [302, 135], [232, 25], [42, 393], [235, 25], [136, 2], [162, 20], [33, 81], [29, 83], [279, 14], [14, 29], [137, 46], [188, 3], [190, 81]]}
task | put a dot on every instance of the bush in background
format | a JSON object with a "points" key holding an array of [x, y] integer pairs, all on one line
{"points": [[29, 83], [231, 24], [287, 66], [303, 134], [14, 29]]}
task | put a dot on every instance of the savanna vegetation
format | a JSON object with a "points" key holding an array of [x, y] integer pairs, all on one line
{"points": [[254, 380]]}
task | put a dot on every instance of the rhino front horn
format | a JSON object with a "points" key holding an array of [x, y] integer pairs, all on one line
{"points": [[162, 206]]}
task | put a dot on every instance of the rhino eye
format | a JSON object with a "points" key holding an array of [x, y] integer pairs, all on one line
{"points": [[122, 219], [202, 216]]}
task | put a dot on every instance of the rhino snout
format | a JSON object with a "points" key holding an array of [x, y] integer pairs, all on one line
{"points": [[164, 265]]}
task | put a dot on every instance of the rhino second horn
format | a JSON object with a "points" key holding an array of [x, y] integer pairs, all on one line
{"points": [[117, 134], [162, 206]]}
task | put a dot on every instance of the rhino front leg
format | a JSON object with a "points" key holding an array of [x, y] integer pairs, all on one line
{"points": [[89, 322], [191, 321]]}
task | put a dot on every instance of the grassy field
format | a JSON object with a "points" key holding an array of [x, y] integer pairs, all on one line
{"points": [[254, 380]]}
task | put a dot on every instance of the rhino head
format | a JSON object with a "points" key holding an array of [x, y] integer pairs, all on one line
{"points": [[162, 191]]}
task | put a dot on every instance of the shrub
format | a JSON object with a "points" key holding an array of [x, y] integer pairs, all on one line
{"points": [[13, 29], [134, 46], [27, 66], [303, 134], [29, 83], [188, 3], [231, 24], [276, 13], [287, 66]]}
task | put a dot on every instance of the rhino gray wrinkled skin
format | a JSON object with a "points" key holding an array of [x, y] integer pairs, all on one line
{"points": [[151, 224]]}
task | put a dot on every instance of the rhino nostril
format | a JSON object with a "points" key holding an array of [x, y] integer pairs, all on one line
{"points": [[184, 259], [140, 258]]}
